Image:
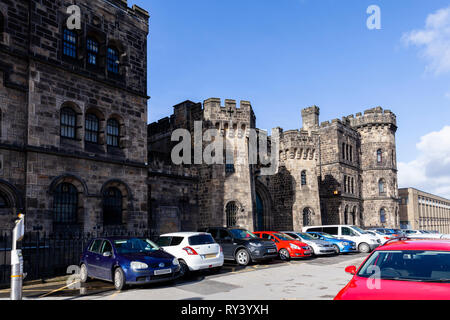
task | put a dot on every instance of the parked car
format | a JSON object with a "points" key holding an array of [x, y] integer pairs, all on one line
{"points": [[389, 232], [416, 234], [127, 261], [340, 245], [407, 270], [365, 242], [194, 250], [242, 246], [288, 247], [318, 247], [382, 237]]}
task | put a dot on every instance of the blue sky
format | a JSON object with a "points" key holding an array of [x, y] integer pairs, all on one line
{"points": [[285, 55]]}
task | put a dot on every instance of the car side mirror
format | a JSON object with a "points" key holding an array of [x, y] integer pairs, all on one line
{"points": [[351, 270], [107, 254]]}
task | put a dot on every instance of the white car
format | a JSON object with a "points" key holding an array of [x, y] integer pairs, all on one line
{"points": [[380, 236], [416, 234], [320, 247], [194, 250]]}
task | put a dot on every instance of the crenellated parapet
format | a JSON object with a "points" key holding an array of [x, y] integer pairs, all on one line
{"points": [[221, 115], [299, 145], [374, 117]]}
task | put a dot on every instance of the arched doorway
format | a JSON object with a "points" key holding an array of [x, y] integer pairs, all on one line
{"points": [[308, 217], [231, 211], [259, 213], [262, 216]]}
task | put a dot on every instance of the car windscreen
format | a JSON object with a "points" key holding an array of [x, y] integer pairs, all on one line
{"points": [[326, 235], [361, 231], [134, 245], [420, 266], [201, 239], [306, 236], [283, 236], [242, 234]]}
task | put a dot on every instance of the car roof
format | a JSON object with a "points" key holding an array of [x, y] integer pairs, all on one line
{"points": [[411, 244], [182, 234]]}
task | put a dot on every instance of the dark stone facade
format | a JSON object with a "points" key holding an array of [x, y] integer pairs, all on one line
{"points": [[38, 80]]}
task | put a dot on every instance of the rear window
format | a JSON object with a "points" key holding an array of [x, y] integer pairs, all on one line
{"points": [[201, 239], [169, 241]]}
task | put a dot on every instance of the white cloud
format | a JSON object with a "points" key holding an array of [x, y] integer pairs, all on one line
{"points": [[430, 172], [434, 41]]}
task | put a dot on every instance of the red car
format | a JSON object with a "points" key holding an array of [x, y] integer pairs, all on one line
{"points": [[287, 246], [402, 269]]}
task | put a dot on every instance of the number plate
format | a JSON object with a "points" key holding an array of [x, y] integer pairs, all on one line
{"points": [[163, 271], [272, 250], [210, 256], [307, 252]]}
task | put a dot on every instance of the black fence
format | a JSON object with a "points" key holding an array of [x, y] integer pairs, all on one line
{"points": [[46, 256]]}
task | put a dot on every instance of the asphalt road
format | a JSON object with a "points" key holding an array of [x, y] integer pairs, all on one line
{"points": [[311, 279]]}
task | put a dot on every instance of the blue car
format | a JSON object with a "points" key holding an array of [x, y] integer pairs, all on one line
{"points": [[341, 245], [127, 261]]}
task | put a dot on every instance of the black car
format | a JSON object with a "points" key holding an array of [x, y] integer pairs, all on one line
{"points": [[242, 246]]}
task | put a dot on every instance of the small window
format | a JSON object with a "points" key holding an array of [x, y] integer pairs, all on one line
{"points": [[343, 151], [113, 61], [382, 186], [70, 43], [229, 168], [106, 247], [231, 214], [176, 241], [383, 216], [304, 178], [68, 123], [92, 128], [113, 131], [112, 207], [65, 205], [379, 156], [92, 51]]}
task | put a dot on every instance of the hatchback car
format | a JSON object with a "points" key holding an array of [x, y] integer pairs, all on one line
{"points": [[340, 245], [318, 247], [382, 237], [242, 246], [403, 269], [288, 247], [127, 261], [194, 250]]}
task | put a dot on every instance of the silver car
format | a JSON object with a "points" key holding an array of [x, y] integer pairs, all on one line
{"points": [[320, 247]]}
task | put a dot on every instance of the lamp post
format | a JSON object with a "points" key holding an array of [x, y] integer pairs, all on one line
{"points": [[17, 259]]}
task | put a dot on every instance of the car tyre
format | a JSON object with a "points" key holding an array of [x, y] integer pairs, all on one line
{"points": [[284, 255], [364, 248], [84, 274], [184, 268], [119, 279], [336, 248], [242, 257]]}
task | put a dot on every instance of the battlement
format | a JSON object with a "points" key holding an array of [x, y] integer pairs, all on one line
{"points": [[310, 118], [214, 110], [374, 116], [134, 10]]}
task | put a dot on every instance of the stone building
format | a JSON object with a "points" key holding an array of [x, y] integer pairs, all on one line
{"points": [[424, 211], [338, 172], [73, 142]]}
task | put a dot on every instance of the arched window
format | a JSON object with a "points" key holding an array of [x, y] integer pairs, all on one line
{"points": [[113, 133], [379, 156], [68, 123], [112, 60], [343, 151], [65, 205], [112, 207], [92, 128], [304, 178], [231, 212], [345, 184], [382, 186], [346, 215], [4, 203], [383, 216], [307, 217], [351, 153], [92, 51], [353, 185], [70, 43]]}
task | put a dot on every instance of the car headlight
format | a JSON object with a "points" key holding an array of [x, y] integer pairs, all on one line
{"points": [[175, 262], [306, 248], [136, 265], [294, 246], [346, 243], [256, 244]]}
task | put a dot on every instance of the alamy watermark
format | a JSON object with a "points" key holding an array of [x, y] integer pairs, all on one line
{"points": [[374, 20]]}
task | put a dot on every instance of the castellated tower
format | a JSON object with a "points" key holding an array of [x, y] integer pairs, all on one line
{"points": [[226, 189], [377, 128]]}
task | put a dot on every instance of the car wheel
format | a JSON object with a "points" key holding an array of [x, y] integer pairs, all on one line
{"points": [[336, 248], [284, 255], [83, 274], [364, 248], [242, 257], [119, 279], [184, 268]]}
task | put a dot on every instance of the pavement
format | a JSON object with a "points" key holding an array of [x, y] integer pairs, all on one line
{"points": [[310, 279]]}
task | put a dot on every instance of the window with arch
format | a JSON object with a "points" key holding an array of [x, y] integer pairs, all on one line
{"points": [[353, 185], [92, 51], [345, 184], [113, 133], [112, 60], [68, 123], [231, 214], [70, 43], [307, 217], [383, 215], [112, 207], [304, 179], [92, 128], [65, 205], [4, 203], [343, 151], [379, 156], [382, 186]]}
